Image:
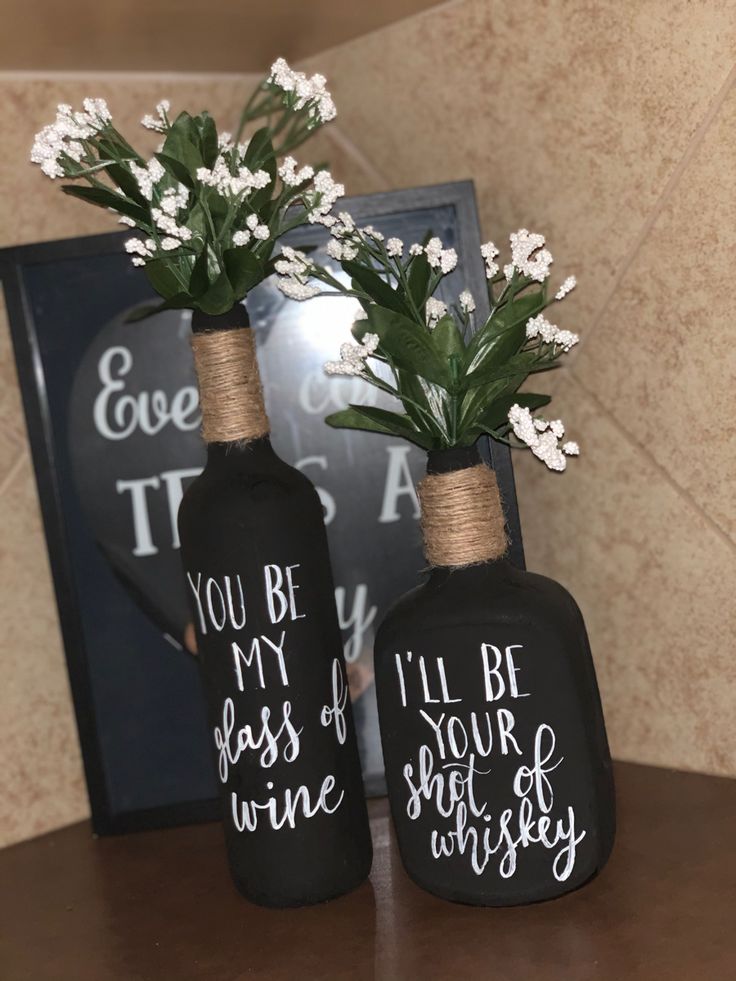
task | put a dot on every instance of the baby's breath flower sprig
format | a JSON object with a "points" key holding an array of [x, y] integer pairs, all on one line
{"points": [[302, 104], [209, 208], [454, 382]]}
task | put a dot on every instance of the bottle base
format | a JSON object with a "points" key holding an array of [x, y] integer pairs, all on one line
{"points": [[491, 901], [307, 898]]}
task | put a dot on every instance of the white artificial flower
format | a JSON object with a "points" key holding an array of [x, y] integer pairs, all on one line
{"points": [[324, 105], [241, 237], [292, 262], [159, 122], [136, 246], [147, 176], [124, 220], [569, 285], [260, 232], [566, 339], [169, 244], [346, 220], [353, 357], [166, 223], [291, 176], [232, 185], [63, 137], [448, 260], [394, 247], [542, 437], [373, 233], [296, 290], [434, 310], [445, 259], [320, 200], [466, 301], [174, 199], [307, 91], [529, 256], [539, 326], [415, 249], [433, 251], [489, 252], [334, 249], [96, 112]]}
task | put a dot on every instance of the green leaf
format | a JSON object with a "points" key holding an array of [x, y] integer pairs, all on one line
{"points": [[378, 289], [447, 339], [199, 280], [408, 345], [496, 415], [504, 333], [500, 348], [162, 277], [493, 370], [260, 150], [176, 168], [219, 298], [376, 420], [262, 197], [208, 139], [418, 280], [106, 199], [410, 387], [119, 173], [244, 270], [181, 144], [216, 203]]}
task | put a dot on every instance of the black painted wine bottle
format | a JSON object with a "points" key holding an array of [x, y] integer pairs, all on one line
{"points": [[258, 574], [497, 762]]}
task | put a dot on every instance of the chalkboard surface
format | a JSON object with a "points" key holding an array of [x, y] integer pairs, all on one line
{"points": [[113, 418]]}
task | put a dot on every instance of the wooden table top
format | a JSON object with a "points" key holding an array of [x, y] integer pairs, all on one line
{"points": [[159, 905]]}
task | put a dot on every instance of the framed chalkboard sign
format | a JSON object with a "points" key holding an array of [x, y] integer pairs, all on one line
{"points": [[113, 420]]}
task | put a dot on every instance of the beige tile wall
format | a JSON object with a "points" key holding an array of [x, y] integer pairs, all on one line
{"points": [[609, 126]]}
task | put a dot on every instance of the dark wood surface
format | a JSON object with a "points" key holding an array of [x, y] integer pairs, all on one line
{"points": [[159, 905]]}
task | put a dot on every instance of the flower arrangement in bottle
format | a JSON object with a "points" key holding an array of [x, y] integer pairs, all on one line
{"points": [[497, 762], [209, 209]]}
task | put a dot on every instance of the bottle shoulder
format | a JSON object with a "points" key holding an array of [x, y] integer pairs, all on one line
{"points": [[497, 593], [256, 485]]}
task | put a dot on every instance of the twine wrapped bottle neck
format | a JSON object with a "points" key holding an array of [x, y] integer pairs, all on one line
{"points": [[462, 515], [230, 392]]}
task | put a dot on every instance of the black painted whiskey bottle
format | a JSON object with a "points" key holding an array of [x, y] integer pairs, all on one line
{"points": [[497, 763]]}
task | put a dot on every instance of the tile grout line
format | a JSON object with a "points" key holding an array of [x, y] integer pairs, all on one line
{"points": [[681, 491], [647, 226], [14, 470], [406, 19], [336, 134], [667, 191]]}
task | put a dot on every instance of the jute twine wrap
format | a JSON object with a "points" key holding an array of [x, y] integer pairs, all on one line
{"points": [[462, 517], [230, 392]]}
